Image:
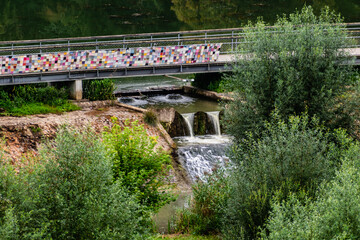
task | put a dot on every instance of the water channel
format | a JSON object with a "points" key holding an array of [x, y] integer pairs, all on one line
{"points": [[198, 154]]}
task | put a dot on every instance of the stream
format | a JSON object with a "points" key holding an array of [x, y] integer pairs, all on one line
{"points": [[199, 155]]}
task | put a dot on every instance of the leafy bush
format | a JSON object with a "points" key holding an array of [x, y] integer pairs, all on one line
{"points": [[289, 158], [28, 99], [293, 68], [334, 215], [136, 163], [206, 207], [70, 194], [99, 89]]}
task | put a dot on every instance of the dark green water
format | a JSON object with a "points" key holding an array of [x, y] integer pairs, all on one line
{"points": [[36, 19]]}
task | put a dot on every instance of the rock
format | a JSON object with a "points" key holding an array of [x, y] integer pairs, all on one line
{"points": [[172, 121]]}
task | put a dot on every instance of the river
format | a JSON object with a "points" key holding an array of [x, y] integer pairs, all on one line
{"points": [[39, 19]]}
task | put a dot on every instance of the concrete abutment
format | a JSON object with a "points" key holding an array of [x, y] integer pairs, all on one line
{"points": [[76, 90]]}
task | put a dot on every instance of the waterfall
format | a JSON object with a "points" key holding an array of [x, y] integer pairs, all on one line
{"points": [[189, 119], [214, 116], [201, 160]]}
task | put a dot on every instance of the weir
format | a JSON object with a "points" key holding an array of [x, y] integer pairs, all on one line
{"points": [[214, 116], [202, 154], [189, 120]]}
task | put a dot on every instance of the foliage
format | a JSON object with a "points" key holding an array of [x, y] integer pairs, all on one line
{"points": [[150, 117], [70, 194], [206, 209], [184, 237], [334, 215], [208, 81], [28, 99], [99, 89], [293, 67], [136, 163], [290, 157]]}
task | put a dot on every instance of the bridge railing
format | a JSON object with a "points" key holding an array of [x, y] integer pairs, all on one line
{"points": [[230, 38]]}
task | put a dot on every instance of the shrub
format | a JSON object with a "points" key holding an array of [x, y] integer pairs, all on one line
{"points": [[70, 194], [150, 117], [28, 99], [289, 158], [334, 214], [206, 207], [99, 89], [293, 67], [137, 164]]}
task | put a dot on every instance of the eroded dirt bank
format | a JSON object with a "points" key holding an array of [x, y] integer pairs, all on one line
{"points": [[25, 134]]}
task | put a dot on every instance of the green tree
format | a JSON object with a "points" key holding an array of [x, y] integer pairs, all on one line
{"points": [[69, 194], [290, 157], [293, 67], [334, 215], [138, 163]]}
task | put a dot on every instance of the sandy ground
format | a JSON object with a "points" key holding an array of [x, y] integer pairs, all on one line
{"points": [[24, 134]]}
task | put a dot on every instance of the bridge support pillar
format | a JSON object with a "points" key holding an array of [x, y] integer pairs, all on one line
{"points": [[76, 90]]}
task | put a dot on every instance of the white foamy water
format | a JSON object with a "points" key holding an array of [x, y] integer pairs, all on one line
{"points": [[133, 101], [171, 98], [200, 155]]}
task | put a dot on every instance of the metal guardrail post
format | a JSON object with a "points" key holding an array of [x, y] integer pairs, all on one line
{"points": [[179, 39], [40, 48], [124, 42], [236, 43], [205, 37], [151, 39], [12, 49], [232, 41], [97, 45], [68, 45]]}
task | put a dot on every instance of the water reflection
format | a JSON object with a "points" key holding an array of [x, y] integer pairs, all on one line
{"points": [[201, 14], [71, 18]]}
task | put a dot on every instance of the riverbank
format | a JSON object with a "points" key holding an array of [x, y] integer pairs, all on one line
{"points": [[23, 135]]}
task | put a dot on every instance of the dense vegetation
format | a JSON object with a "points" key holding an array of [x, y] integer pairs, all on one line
{"points": [[99, 89], [292, 70], [29, 99], [80, 187], [141, 170], [334, 214]]}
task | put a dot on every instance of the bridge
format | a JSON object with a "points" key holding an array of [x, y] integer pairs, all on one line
{"points": [[114, 56]]}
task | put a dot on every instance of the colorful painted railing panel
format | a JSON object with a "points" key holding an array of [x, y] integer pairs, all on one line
{"points": [[102, 59]]}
